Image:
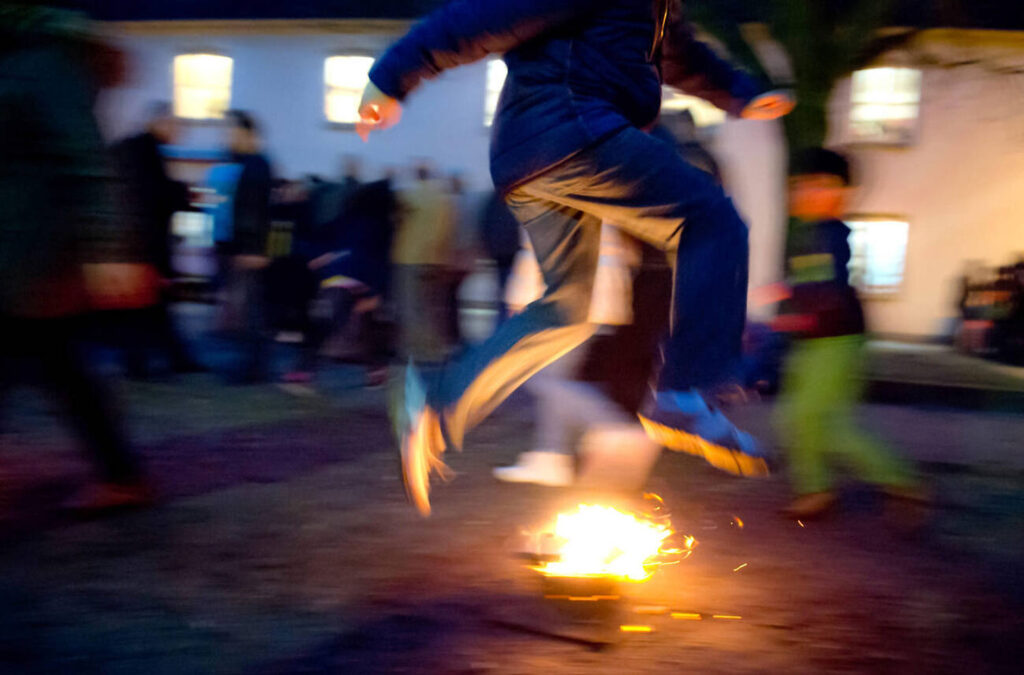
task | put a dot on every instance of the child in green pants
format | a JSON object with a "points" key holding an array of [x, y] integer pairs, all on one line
{"points": [[822, 384]]}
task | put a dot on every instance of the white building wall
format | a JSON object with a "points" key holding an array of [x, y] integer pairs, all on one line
{"points": [[279, 78], [960, 185]]}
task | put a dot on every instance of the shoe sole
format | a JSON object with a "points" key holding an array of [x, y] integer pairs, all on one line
{"points": [[725, 459], [404, 427], [417, 496]]}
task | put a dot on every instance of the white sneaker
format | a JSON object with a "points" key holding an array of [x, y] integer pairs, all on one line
{"points": [[540, 467]]}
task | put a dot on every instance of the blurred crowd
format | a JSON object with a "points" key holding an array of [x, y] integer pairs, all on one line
{"points": [[348, 267]]}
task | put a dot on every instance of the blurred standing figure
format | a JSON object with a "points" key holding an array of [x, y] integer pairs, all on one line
{"points": [[353, 276], [153, 198], [592, 393], [421, 254], [63, 247], [463, 256], [247, 249], [823, 381], [501, 238]]}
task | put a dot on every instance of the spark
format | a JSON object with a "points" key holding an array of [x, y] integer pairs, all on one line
{"points": [[731, 617], [740, 567], [737, 521], [689, 616], [800, 523], [636, 629]]}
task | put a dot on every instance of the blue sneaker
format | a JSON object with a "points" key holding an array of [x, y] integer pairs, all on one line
{"points": [[682, 420]]}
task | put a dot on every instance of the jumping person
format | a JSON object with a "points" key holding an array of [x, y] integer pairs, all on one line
{"points": [[568, 151]]}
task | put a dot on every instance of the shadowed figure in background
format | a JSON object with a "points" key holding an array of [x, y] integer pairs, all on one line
{"points": [[421, 255], [246, 251], [569, 152], [64, 247], [153, 197], [501, 239]]}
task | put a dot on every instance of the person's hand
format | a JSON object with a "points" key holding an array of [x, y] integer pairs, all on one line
{"points": [[121, 285], [377, 110], [251, 262], [770, 294], [770, 106]]}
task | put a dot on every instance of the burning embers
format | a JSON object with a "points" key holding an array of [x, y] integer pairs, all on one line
{"points": [[603, 542]]}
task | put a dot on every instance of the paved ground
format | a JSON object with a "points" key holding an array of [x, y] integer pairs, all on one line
{"points": [[285, 546]]}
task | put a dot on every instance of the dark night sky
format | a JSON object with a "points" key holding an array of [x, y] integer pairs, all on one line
{"points": [[1007, 14]]}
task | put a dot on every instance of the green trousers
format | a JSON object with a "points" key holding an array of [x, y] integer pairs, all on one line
{"points": [[817, 422]]}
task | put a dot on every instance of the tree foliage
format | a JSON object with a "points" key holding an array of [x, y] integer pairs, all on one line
{"points": [[824, 39]]}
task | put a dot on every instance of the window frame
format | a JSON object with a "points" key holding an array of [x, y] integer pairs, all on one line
{"points": [[358, 53], [880, 292], [881, 141], [201, 51]]}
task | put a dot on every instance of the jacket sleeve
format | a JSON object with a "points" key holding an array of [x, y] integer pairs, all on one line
{"points": [[464, 31], [89, 186], [693, 67]]}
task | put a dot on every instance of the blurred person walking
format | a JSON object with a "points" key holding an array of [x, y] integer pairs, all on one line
{"points": [[586, 401], [421, 255], [153, 198], [823, 381], [568, 151], [246, 250], [64, 247]]}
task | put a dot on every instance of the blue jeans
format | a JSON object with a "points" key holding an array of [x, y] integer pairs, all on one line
{"points": [[643, 186]]}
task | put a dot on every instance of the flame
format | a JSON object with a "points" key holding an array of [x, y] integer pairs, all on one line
{"points": [[636, 629], [603, 541]]}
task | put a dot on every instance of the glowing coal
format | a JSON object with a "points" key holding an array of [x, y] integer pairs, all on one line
{"points": [[602, 541]]}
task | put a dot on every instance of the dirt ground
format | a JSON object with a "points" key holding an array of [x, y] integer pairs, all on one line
{"points": [[285, 545]]}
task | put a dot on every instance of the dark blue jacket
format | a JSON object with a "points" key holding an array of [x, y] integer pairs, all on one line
{"points": [[579, 71]]}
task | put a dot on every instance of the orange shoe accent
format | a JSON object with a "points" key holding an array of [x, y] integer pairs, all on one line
{"points": [[722, 458]]}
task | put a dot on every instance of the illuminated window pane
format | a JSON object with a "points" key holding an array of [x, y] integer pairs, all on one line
{"points": [[202, 85], [885, 103], [345, 77], [497, 71], [704, 114], [879, 248]]}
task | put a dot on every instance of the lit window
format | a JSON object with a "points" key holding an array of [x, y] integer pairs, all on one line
{"points": [[884, 105], [704, 114], [497, 71], [345, 77], [879, 253], [202, 85]]}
